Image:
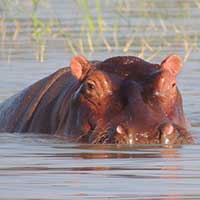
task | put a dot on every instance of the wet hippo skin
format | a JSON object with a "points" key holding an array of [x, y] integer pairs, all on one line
{"points": [[122, 99]]}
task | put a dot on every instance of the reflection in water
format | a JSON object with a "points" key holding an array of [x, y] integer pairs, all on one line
{"points": [[45, 167]]}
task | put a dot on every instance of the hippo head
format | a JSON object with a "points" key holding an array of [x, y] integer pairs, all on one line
{"points": [[126, 100]]}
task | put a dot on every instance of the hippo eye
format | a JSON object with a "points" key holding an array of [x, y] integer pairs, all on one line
{"points": [[90, 86], [174, 84]]}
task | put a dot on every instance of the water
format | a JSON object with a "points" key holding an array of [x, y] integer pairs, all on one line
{"points": [[34, 167], [45, 167]]}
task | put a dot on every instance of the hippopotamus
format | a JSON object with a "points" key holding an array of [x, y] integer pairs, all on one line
{"points": [[121, 100]]}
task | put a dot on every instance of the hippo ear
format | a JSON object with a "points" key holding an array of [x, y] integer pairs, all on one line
{"points": [[79, 67], [173, 64]]}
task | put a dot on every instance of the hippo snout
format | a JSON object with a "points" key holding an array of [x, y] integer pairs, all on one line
{"points": [[166, 134]]}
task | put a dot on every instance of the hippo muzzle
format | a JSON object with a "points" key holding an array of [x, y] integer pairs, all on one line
{"points": [[166, 134]]}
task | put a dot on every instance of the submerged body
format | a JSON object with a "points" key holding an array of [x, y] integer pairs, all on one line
{"points": [[122, 100]]}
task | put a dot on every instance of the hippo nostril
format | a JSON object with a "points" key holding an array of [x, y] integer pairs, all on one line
{"points": [[167, 131], [123, 133], [120, 130]]}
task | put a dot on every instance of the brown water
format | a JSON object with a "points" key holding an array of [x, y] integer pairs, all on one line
{"points": [[44, 167]]}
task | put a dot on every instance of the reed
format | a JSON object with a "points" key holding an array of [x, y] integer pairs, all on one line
{"points": [[3, 31], [85, 8], [128, 44], [41, 30], [123, 35], [115, 33], [100, 20], [17, 30]]}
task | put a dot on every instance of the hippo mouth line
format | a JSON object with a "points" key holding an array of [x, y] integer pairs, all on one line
{"points": [[164, 134], [111, 136]]}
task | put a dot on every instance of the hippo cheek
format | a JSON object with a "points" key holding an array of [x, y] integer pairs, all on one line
{"points": [[77, 125]]}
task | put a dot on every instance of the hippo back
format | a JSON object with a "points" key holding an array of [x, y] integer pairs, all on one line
{"points": [[21, 110]]}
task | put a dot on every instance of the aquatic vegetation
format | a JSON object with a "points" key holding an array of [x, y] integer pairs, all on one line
{"points": [[41, 30], [120, 26]]}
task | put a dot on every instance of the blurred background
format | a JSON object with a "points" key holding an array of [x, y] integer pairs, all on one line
{"points": [[42, 29]]}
